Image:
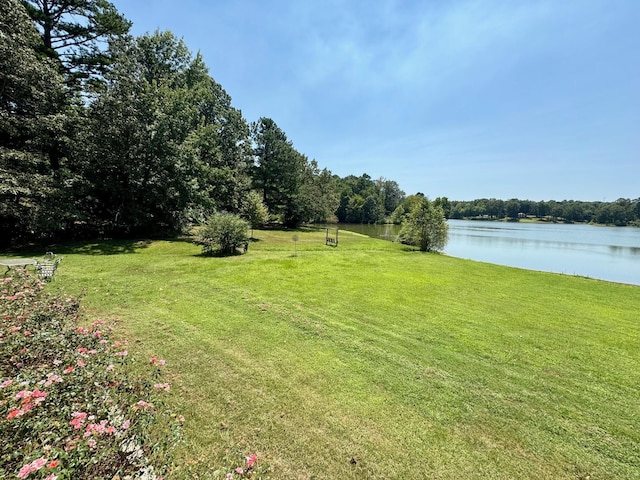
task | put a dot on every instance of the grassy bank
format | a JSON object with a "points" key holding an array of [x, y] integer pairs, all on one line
{"points": [[372, 361]]}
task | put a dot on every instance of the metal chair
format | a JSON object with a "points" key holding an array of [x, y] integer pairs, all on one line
{"points": [[47, 268]]}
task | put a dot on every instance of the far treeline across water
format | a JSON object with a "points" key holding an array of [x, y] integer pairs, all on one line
{"points": [[104, 134]]}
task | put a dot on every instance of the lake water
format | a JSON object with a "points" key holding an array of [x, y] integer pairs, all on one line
{"points": [[606, 253]]}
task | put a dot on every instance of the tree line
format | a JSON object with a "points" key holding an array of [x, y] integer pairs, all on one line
{"points": [[620, 212], [103, 134], [107, 134]]}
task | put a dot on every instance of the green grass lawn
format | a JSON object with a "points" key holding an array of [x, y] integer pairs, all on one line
{"points": [[413, 365]]}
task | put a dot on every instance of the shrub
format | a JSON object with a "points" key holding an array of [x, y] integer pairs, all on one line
{"points": [[255, 211], [425, 227], [72, 403], [222, 233]]}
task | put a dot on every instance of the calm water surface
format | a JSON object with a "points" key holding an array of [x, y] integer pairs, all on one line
{"points": [[606, 253]]}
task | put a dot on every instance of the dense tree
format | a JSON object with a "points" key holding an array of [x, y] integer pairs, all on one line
{"points": [[136, 128], [391, 193], [76, 32], [32, 128], [363, 200], [291, 186], [512, 208], [445, 204], [219, 143], [425, 227], [318, 195], [170, 144], [621, 212], [278, 167]]}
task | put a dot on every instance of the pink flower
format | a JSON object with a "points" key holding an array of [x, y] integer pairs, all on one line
{"points": [[126, 424], [39, 463], [157, 361], [32, 467], [78, 420], [251, 460], [23, 394], [239, 471], [83, 330], [15, 329], [143, 404], [6, 383], [53, 464], [229, 476], [110, 367], [51, 477], [82, 349], [51, 379], [24, 471], [81, 363], [68, 370], [123, 353], [164, 386]]}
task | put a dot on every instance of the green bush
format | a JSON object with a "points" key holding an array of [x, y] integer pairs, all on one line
{"points": [[72, 404], [223, 233], [425, 227]]}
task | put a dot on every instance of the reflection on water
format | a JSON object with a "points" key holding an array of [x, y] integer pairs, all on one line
{"points": [[607, 253]]}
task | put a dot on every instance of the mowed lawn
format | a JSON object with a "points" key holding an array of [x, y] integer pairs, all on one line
{"points": [[372, 361]]}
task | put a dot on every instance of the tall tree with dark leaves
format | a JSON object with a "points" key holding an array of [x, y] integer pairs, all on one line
{"points": [[278, 171], [76, 32], [31, 127], [137, 176], [164, 146]]}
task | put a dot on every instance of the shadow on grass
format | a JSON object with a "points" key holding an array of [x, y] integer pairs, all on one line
{"points": [[219, 254], [100, 247]]}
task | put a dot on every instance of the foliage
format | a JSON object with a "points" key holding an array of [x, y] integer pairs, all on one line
{"points": [[278, 170], [255, 211], [425, 227], [363, 200], [74, 32], [32, 129], [223, 233], [72, 405], [175, 148], [621, 212], [291, 185]]}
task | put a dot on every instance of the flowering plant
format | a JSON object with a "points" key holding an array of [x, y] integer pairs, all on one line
{"points": [[72, 405]]}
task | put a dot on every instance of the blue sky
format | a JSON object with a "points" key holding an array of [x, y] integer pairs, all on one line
{"points": [[465, 99]]}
